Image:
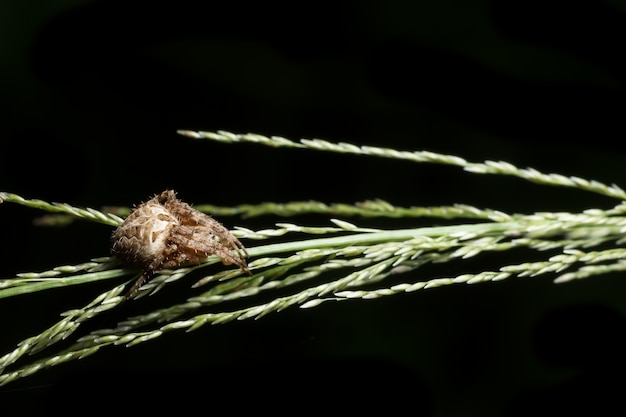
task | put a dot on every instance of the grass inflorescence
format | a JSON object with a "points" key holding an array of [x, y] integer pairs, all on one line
{"points": [[315, 264]]}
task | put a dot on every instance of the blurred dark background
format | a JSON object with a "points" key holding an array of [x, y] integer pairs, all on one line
{"points": [[92, 93]]}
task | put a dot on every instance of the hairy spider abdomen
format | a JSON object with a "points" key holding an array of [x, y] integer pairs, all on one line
{"points": [[165, 232]]}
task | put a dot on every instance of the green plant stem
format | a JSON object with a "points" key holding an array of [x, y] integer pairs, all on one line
{"points": [[88, 213], [487, 167]]}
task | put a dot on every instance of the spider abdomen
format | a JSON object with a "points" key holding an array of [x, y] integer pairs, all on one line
{"points": [[165, 232]]}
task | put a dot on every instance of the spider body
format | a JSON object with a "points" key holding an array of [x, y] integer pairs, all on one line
{"points": [[165, 232]]}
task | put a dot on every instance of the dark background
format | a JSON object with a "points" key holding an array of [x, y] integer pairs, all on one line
{"points": [[92, 93]]}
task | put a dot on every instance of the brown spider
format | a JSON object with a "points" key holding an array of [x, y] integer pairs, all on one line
{"points": [[165, 232]]}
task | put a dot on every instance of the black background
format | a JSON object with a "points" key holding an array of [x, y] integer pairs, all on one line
{"points": [[92, 94]]}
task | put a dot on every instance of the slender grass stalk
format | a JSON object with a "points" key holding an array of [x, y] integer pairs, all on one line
{"points": [[313, 265], [487, 167]]}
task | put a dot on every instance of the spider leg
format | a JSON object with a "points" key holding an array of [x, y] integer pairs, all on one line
{"points": [[143, 278], [194, 244]]}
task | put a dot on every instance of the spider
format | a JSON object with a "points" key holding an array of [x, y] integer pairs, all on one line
{"points": [[165, 232]]}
